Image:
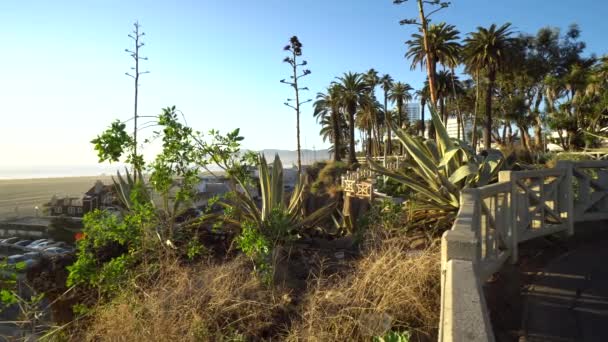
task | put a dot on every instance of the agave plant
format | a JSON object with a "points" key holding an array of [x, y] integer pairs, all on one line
{"points": [[126, 186], [438, 170], [275, 217]]}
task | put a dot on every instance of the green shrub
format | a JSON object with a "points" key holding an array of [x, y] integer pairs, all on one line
{"points": [[313, 170], [566, 156], [393, 336], [329, 177], [109, 248]]}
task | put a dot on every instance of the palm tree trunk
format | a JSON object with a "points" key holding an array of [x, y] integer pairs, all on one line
{"points": [[474, 134], [336, 132], [387, 120], [459, 119], [400, 122], [352, 157], [422, 105], [487, 133], [442, 110], [430, 66], [369, 140]]}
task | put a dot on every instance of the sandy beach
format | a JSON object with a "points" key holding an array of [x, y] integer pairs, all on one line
{"points": [[21, 196]]}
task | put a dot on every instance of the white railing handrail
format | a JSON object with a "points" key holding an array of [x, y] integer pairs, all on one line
{"points": [[494, 219]]}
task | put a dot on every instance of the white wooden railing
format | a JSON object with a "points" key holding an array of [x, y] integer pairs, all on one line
{"points": [[494, 219]]}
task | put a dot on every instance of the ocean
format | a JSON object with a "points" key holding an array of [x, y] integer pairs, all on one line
{"points": [[56, 171]]}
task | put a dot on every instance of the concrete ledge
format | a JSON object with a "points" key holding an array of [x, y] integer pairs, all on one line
{"points": [[463, 310]]}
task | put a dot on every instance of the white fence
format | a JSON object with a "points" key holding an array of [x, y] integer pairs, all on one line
{"points": [[494, 219]]}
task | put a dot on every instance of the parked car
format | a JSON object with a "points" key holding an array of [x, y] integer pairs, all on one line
{"points": [[13, 259], [55, 250], [11, 240], [22, 243], [36, 242], [32, 255], [42, 245]]}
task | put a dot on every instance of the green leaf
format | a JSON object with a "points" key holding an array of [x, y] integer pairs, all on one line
{"points": [[463, 172], [448, 156]]}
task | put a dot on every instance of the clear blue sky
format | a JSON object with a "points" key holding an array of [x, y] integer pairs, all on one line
{"points": [[62, 63]]}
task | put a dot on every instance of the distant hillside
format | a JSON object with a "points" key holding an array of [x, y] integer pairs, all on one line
{"points": [[289, 158]]}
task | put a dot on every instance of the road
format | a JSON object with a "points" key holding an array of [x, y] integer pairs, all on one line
{"points": [[568, 299]]}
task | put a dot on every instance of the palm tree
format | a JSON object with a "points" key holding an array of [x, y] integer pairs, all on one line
{"points": [[329, 133], [423, 96], [328, 106], [485, 50], [386, 82], [400, 94], [372, 80], [352, 91], [443, 47], [367, 118]]}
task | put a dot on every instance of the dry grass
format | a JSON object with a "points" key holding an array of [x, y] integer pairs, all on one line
{"points": [[387, 289], [211, 303]]}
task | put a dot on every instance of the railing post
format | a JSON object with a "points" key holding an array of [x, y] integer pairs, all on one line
{"points": [[566, 193], [463, 240], [511, 216]]}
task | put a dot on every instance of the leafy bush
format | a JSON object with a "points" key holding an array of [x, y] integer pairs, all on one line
{"points": [[329, 177], [313, 170], [566, 156], [393, 336], [110, 248]]}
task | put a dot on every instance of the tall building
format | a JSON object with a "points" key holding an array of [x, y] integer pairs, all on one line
{"points": [[413, 112]]}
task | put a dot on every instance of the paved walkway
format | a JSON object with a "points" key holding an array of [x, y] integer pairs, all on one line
{"points": [[568, 299]]}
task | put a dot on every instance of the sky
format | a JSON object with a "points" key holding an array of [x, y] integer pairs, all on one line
{"points": [[63, 64]]}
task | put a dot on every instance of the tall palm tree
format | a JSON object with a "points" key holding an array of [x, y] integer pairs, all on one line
{"points": [[443, 47], [485, 50], [367, 118], [400, 94], [386, 82], [442, 86], [352, 91], [423, 95], [372, 79], [329, 133], [328, 105]]}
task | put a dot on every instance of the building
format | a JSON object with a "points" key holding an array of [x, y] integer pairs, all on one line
{"points": [[100, 196], [452, 128], [68, 206], [413, 112]]}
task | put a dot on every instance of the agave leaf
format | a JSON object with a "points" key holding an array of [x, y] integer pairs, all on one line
{"points": [[449, 155], [410, 183], [249, 207], [431, 147], [317, 216], [295, 202], [277, 182], [417, 152], [443, 138], [463, 172]]}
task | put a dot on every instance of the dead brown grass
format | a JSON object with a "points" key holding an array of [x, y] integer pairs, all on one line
{"points": [[389, 288], [211, 303]]}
